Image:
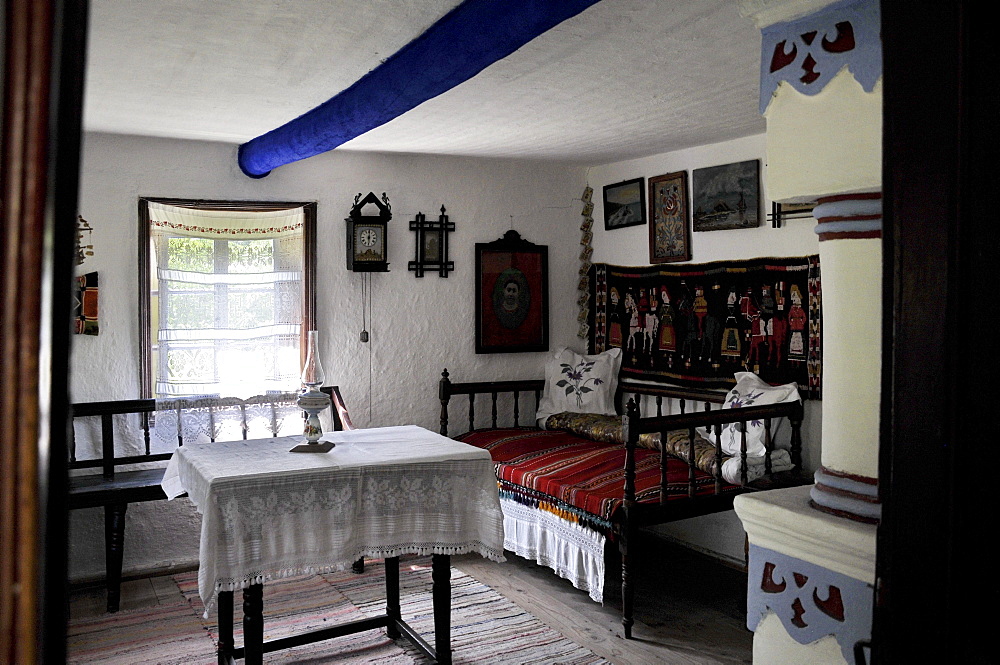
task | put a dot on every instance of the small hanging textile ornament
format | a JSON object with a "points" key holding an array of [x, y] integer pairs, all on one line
{"points": [[586, 252], [83, 251]]}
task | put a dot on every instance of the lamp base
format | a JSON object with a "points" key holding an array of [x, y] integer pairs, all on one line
{"points": [[318, 447]]}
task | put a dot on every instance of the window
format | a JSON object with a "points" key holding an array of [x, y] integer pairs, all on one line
{"points": [[226, 296]]}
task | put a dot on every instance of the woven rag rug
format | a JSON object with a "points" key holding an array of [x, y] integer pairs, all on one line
{"points": [[486, 627]]}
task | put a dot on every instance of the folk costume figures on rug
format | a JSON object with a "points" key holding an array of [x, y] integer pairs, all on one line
{"points": [[691, 332], [731, 347], [641, 324], [797, 325], [758, 333], [777, 327], [711, 325], [667, 337], [699, 324], [616, 317]]}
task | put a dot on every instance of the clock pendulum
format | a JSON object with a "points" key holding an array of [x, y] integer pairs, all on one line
{"points": [[366, 295]]}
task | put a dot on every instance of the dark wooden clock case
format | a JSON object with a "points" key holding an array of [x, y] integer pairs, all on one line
{"points": [[355, 218]]}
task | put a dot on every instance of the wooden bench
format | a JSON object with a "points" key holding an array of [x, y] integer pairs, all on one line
{"points": [[119, 483]]}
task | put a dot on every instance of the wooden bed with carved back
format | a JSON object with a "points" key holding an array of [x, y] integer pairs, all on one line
{"points": [[702, 492]]}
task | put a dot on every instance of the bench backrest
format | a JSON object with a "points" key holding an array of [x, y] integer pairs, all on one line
{"points": [[107, 410]]}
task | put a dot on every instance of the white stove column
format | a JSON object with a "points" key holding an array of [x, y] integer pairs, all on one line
{"points": [[812, 549]]}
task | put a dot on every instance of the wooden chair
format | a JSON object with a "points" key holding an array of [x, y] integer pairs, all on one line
{"points": [[120, 484]]}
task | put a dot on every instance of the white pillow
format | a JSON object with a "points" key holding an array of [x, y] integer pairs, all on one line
{"points": [[751, 390], [579, 384]]}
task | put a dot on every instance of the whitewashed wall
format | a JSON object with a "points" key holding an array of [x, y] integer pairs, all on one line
{"points": [[721, 534], [418, 326]]}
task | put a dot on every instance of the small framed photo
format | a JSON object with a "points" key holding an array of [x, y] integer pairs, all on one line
{"points": [[624, 204], [432, 245], [512, 295], [669, 233]]}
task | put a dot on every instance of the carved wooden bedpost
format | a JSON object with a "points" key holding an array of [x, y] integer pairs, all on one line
{"points": [[796, 442], [444, 393], [631, 424], [631, 439]]}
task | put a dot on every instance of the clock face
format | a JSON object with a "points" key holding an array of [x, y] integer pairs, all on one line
{"points": [[370, 244]]}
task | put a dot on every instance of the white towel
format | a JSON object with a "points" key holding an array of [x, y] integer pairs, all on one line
{"points": [[780, 461]]}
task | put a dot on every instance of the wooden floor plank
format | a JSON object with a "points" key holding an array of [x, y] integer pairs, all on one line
{"points": [[690, 610], [165, 588]]}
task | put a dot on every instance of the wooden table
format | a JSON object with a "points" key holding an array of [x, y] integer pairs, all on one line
{"points": [[379, 493]]}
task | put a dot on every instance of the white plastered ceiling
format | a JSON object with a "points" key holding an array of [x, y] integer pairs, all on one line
{"points": [[623, 79]]}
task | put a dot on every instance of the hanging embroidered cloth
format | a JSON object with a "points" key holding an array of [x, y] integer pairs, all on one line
{"points": [[698, 324]]}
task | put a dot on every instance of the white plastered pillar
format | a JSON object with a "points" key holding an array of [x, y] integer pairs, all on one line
{"points": [[811, 570]]}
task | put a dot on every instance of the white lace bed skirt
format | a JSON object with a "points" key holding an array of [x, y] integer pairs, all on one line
{"points": [[574, 552]]}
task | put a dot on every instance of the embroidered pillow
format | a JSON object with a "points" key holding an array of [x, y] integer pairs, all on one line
{"points": [[751, 390], [579, 384]]}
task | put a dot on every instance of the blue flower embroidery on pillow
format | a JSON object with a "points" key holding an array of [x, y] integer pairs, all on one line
{"points": [[737, 401], [576, 381]]}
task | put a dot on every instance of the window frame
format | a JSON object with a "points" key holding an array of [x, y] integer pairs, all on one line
{"points": [[308, 268]]}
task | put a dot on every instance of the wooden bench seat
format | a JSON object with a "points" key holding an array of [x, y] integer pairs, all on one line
{"points": [[118, 483], [94, 490]]}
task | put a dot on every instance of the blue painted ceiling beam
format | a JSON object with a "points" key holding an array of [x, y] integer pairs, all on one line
{"points": [[469, 38]]}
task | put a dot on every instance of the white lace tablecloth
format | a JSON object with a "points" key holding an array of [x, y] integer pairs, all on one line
{"points": [[269, 513]]}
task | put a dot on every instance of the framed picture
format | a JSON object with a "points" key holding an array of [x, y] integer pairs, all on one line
{"points": [[85, 305], [512, 295], [727, 196], [432, 245], [624, 204], [669, 233]]}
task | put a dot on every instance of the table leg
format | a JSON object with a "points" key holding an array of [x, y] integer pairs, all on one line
{"points": [[253, 624], [392, 609], [441, 576], [226, 644]]}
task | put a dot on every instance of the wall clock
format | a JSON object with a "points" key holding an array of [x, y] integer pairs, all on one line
{"points": [[367, 234]]}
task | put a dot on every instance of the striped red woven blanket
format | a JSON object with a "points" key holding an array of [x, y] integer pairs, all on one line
{"points": [[577, 474]]}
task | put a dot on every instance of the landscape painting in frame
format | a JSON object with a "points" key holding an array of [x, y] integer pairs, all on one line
{"points": [[727, 196], [624, 204]]}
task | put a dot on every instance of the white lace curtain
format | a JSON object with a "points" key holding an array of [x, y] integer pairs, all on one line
{"points": [[204, 419], [226, 300]]}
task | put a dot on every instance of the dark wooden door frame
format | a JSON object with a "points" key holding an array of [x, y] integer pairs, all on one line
{"points": [[940, 142], [43, 52]]}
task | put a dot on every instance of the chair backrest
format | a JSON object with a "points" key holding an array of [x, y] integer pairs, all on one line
{"points": [[341, 417]]}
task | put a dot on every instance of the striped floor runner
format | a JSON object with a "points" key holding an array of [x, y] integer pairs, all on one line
{"points": [[486, 627]]}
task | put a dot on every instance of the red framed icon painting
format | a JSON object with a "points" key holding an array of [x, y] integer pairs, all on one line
{"points": [[512, 298]]}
